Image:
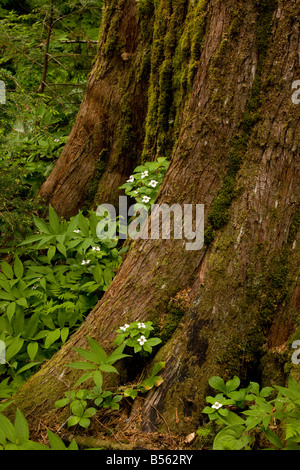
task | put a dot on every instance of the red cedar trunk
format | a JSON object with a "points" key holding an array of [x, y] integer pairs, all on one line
{"points": [[94, 149]]}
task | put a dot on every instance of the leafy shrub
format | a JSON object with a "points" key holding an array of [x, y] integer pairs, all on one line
{"points": [[17, 206], [96, 361], [144, 183], [244, 413], [57, 277]]}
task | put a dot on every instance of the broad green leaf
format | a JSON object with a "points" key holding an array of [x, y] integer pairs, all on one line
{"points": [[51, 252], [62, 249], [108, 368], [7, 270], [98, 379], [64, 333], [7, 428], [22, 302], [88, 355], [82, 365], [41, 225], [84, 422], [55, 441], [53, 220], [51, 337], [6, 296], [232, 384], [83, 224], [21, 427], [73, 420], [84, 377], [217, 383], [62, 402], [27, 366], [97, 350], [18, 268], [14, 348], [32, 349], [131, 393], [273, 438], [158, 366], [231, 438], [10, 311], [77, 408]]}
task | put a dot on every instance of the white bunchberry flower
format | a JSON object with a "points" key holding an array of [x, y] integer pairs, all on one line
{"points": [[146, 199], [217, 405], [153, 183], [56, 140], [142, 340], [85, 261], [96, 248], [144, 174], [130, 179], [141, 325], [76, 231], [124, 328]]}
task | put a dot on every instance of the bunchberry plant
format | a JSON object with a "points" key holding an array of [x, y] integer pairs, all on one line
{"points": [[85, 403], [243, 413], [143, 185]]}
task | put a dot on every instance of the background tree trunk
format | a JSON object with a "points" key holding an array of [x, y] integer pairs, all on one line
{"points": [[230, 308]]}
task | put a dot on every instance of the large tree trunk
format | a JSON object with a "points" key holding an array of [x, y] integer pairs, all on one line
{"points": [[237, 152]]}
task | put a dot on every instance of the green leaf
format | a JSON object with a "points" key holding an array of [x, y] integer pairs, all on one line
{"points": [[98, 379], [73, 420], [18, 268], [14, 348], [217, 383], [27, 366], [88, 355], [83, 365], [21, 427], [131, 393], [83, 224], [273, 438], [53, 220], [108, 368], [55, 442], [10, 311], [41, 225], [77, 408], [232, 384], [84, 377], [84, 422], [32, 349], [231, 438], [7, 428], [97, 273], [158, 366], [51, 252], [7, 270], [64, 333], [51, 337], [62, 402]]}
